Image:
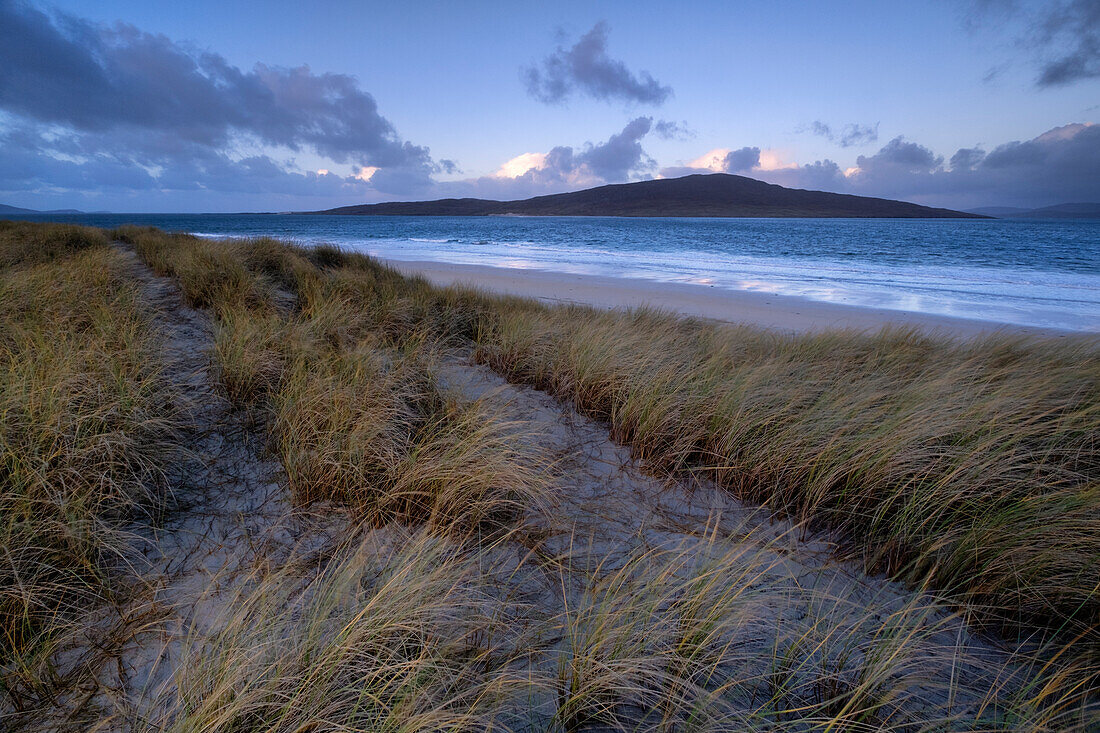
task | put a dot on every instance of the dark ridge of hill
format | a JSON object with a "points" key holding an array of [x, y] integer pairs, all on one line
{"points": [[718, 194], [1057, 211], [1001, 212], [5, 209], [1066, 211]]}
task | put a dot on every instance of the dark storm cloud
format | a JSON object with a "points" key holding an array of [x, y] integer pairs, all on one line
{"points": [[585, 67], [143, 100], [847, 136], [1063, 36]]}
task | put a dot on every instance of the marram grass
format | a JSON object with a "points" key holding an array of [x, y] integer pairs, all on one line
{"points": [[86, 429], [968, 469], [971, 466]]}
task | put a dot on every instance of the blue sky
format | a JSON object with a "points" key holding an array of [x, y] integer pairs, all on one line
{"points": [[156, 106]]}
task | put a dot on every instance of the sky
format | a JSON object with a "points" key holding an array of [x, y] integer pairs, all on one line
{"points": [[249, 105]]}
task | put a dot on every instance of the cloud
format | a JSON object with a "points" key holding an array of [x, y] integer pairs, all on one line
{"points": [[966, 158], [1063, 36], [899, 155], [719, 160], [114, 98], [32, 161], [1057, 166], [606, 162], [1070, 34], [847, 136], [744, 159], [621, 154], [668, 130], [586, 68], [619, 158]]}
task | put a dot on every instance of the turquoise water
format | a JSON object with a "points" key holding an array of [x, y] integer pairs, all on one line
{"points": [[1028, 272]]}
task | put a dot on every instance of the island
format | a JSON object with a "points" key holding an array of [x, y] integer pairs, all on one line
{"points": [[701, 195]]}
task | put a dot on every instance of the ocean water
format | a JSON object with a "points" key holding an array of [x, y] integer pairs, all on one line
{"points": [[1028, 272]]}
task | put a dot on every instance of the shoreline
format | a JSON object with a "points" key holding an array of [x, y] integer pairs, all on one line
{"points": [[786, 313]]}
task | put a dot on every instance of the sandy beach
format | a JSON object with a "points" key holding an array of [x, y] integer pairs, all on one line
{"points": [[765, 310]]}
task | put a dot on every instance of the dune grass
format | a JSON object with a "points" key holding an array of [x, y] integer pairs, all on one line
{"points": [[346, 386], [968, 468], [85, 429], [973, 467], [410, 632], [384, 639]]}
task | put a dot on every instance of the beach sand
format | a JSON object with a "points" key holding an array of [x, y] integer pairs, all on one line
{"points": [[764, 310]]}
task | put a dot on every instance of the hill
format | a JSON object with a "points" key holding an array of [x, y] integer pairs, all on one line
{"points": [[1058, 211], [718, 194], [5, 209], [1001, 212]]}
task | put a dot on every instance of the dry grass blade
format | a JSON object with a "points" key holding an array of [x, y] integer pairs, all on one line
{"points": [[86, 427]]}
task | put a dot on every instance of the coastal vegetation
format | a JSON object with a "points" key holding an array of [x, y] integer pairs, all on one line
{"points": [[86, 426], [967, 470]]}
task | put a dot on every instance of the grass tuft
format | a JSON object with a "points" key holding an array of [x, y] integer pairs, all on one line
{"points": [[86, 428]]}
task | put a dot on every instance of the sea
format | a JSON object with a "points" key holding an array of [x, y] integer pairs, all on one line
{"points": [[1043, 273]]}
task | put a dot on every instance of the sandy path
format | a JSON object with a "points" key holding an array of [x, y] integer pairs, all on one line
{"points": [[229, 514], [606, 508]]}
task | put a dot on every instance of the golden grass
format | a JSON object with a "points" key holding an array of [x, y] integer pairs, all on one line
{"points": [[389, 640], [30, 244], [353, 408], [970, 468], [85, 431], [410, 632], [376, 433], [973, 466]]}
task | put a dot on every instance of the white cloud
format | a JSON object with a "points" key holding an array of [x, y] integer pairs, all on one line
{"points": [[520, 164]]}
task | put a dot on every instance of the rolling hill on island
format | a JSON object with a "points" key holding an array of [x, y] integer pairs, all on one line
{"points": [[5, 209], [1058, 211], [717, 194]]}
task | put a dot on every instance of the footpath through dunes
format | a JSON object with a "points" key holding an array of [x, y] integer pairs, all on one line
{"points": [[801, 634], [352, 387], [484, 555], [228, 517]]}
